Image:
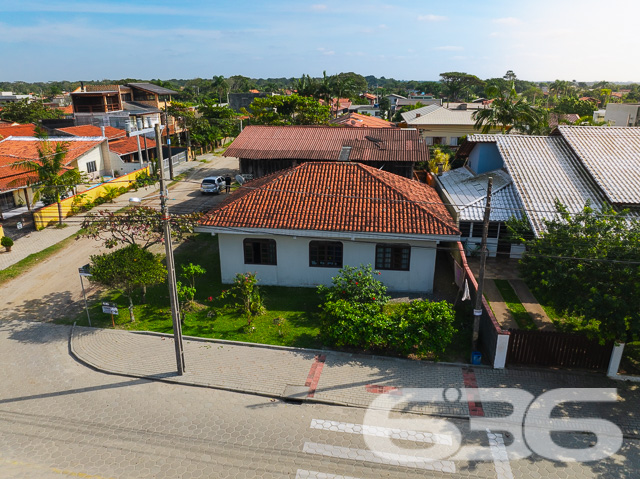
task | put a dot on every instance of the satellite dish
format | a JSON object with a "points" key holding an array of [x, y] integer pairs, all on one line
{"points": [[240, 179]]}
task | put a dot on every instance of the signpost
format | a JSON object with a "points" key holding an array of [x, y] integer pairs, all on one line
{"points": [[84, 271], [110, 308]]}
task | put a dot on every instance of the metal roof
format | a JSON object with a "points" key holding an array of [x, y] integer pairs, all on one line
{"points": [[412, 114], [545, 169], [611, 154], [468, 193], [325, 143], [442, 116], [153, 88]]}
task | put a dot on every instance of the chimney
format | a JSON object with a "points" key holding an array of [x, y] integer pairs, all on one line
{"points": [[417, 115]]}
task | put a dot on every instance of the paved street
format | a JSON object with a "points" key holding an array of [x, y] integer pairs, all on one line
{"points": [[61, 418]]}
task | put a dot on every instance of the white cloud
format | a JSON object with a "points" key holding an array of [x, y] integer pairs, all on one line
{"points": [[431, 18], [507, 21], [382, 26], [318, 7], [449, 48], [329, 52]]}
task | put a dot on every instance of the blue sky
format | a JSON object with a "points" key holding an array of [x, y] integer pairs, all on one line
{"points": [[583, 40]]}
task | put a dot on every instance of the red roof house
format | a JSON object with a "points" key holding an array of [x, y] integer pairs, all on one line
{"points": [[298, 226]]}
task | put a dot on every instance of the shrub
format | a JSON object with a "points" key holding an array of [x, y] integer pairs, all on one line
{"points": [[355, 285], [360, 325], [423, 327], [246, 292], [6, 242]]}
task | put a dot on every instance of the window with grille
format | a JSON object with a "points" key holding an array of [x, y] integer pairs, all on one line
{"points": [[260, 251], [465, 229], [393, 256], [91, 167], [325, 254]]}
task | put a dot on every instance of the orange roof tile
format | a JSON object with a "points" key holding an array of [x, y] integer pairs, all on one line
{"points": [[16, 150], [358, 120], [91, 130], [345, 197], [129, 145], [369, 96], [8, 130], [68, 110]]}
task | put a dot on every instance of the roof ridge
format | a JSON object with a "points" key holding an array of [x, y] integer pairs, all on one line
{"points": [[403, 195]]}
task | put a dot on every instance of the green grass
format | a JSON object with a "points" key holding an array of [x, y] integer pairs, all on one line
{"points": [[298, 307], [522, 318], [32, 260]]}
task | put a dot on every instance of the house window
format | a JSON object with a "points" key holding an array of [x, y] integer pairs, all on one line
{"points": [[453, 141], [476, 231], [494, 228], [259, 251], [325, 254], [428, 140], [465, 229], [393, 256], [91, 167]]}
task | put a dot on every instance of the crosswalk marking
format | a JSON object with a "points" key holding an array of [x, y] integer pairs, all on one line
{"points": [[500, 456], [379, 431], [379, 457], [304, 474]]}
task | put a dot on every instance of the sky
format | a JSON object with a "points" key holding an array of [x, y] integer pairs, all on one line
{"points": [[543, 40]]}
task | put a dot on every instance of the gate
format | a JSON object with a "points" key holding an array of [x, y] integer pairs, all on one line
{"points": [[553, 349]]}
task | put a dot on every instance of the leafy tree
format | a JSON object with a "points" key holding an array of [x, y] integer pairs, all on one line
{"points": [[141, 226], [349, 78], [439, 157], [240, 84], [24, 112], [127, 269], [398, 116], [589, 265], [507, 111], [288, 110], [246, 292], [457, 85], [221, 117], [50, 174], [573, 105], [356, 285], [220, 85]]}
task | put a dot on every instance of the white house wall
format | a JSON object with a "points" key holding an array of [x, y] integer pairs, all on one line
{"points": [[94, 155], [293, 262]]}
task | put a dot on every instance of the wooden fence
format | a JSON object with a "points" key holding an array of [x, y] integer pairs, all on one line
{"points": [[553, 349]]}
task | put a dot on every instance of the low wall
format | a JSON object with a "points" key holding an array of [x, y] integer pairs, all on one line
{"points": [[49, 213], [493, 340]]}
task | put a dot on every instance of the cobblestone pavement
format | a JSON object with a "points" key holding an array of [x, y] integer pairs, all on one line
{"points": [[336, 378], [59, 418]]}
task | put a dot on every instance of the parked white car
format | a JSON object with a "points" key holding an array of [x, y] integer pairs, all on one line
{"points": [[212, 184]]}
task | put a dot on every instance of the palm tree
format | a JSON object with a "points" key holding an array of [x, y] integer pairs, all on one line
{"points": [[508, 111], [221, 86], [50, 172]]}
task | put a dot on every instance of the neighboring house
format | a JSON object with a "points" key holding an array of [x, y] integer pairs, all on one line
{"points": [[89, 155], [126, 148], [16, 129], [439, 125], [393, 101], [133, 106], [299, 226], [566, 118], [622, 114], [573, 165], [409, 102], [372, 99], [266, 149], [237, 101], [362, 109], [338, 107], [9, 97], [421, 96], [357, 120]]}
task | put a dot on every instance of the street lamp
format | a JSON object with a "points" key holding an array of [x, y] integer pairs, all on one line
{"points": [[171, 271]]}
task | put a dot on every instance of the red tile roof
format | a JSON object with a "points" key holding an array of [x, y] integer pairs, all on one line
{"points": [[90, 130], [345, 197], [129, 145], [358, 120], [7, 130], [14, 151], [68, 110], [369, 96], [325, 143]]}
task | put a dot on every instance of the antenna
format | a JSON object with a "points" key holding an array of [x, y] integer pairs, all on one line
{"points": [[240, 179]]}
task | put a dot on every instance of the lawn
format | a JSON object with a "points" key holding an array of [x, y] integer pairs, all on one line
{"points": [[522, 318], [292, 317]]}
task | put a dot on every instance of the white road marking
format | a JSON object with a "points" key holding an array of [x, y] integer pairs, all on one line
{"points": [[379, 457], [378, 431], [304, 474], [500, 456]]}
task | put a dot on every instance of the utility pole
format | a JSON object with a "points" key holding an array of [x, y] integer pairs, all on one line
{"points": [[171, 272], [477, 311], [166, 120]]}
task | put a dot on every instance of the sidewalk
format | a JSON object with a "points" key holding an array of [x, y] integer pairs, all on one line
{"points": [[40, 240], [333, 377]]}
